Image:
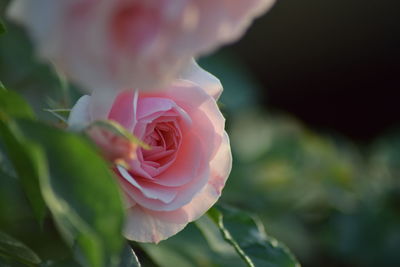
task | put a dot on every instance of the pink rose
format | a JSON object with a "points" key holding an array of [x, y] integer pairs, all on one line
{"points": [[114, 44], [182, 175]]}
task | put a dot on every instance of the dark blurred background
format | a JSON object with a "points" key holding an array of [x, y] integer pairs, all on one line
{"points": [[334, 64]]}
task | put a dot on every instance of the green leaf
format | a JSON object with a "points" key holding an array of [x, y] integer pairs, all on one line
{"points": [[187, 249], [11, 104], [64, 263], [247, 236], [129, 258], [2, 28], [11, 192], [159, 253], [212, 234], [60, 113], [81, 192], [14, 250], [21, 152]]}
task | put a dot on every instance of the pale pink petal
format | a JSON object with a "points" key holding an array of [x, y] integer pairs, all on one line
{"points": [[128, 201], [220, 168], [79, 116], [137, 170], [188, 191], [194, 181], [145, 226], [149, 190], [203, 36], [203, 110], [184, 196], [211, 84], [185, 94], [191, 97], [158, 153], [209, 127], [114, 45], [101, 102], [150, 106], [153, 226], [187, 163], [241, 14], [122, 110]]}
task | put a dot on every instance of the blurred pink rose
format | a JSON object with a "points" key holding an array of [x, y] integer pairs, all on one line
{"points": [[104, 44], [182, 175]]}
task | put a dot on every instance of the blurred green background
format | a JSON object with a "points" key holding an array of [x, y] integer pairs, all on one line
{"points": [[312, 111]]}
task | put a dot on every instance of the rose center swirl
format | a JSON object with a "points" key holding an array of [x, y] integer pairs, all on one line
{"points": [[164, 137]]}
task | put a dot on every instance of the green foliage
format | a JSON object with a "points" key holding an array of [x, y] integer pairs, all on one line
{"points": [[128, 258], [79, 189], [23, 155], [321, 196], [20, 151], [80, 192], [11, 192], [13, 250], [2, 28], [20, 70], [11, 104], [60, 114], [189, 249], [247, 236]]}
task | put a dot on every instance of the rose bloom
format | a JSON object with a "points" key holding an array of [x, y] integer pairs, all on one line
{"points": [[141, 44], [181, 176]]}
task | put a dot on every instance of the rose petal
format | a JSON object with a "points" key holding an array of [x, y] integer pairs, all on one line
{"points": [[202, 109], [221, 166], [153, 226], [211, 84], [181, 172], [79, 117], [241, 14], [144, 226], [122, 110], [150, 191], [129, 202], [209, 126], [148, 106]]}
